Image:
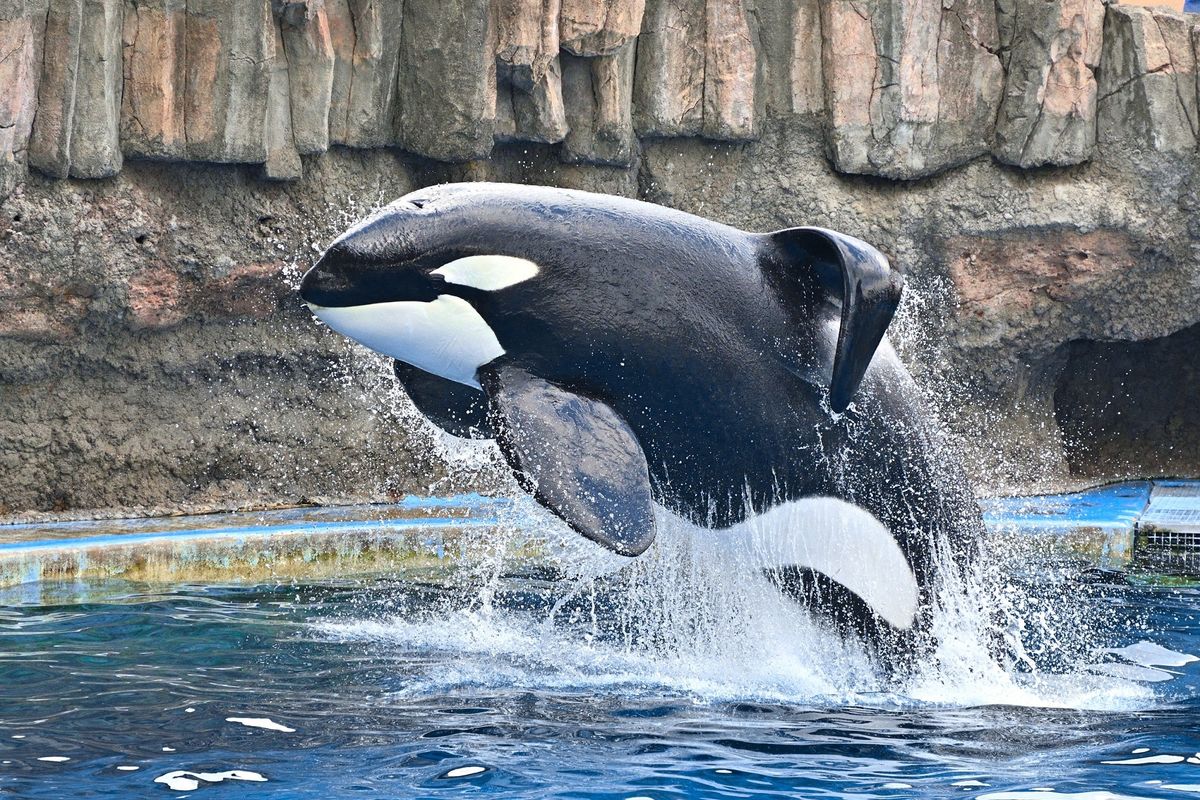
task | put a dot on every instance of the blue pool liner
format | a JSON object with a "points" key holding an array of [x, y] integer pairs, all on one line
{"points": [[1114, 507], [481, 512]]}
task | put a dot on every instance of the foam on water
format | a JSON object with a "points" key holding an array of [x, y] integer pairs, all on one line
{"points": [[694, 616]]}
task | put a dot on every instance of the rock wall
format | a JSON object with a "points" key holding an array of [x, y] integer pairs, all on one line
{"points": [[906, 88], [170, 166]]}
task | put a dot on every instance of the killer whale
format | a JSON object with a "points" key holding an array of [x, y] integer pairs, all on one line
{"points": [[626, 356]]}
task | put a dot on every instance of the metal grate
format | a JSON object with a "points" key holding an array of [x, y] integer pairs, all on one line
{"points": [[1169, 540], [1168, 533]]}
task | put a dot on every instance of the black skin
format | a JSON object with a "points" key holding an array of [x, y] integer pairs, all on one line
{"points": [[716, 347]]}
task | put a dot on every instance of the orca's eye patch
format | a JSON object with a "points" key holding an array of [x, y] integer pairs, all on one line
{"points": [[489, 272]]}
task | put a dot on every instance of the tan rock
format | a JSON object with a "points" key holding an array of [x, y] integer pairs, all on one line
{"points": [[529, 103], [155, 77], [371, 109], [283, 158], [850, 65], [40, 308], [1048, 114], [96, 140], [697, 70], [730, 72], [527, 38], [1177, 31], [308, 48], [536, 114], [21, 43], [599, 27], [53, 124], [1007, 277], [156, 298], [341, 36], [447, 85], [1196, 50], [806, 82], [912, 86], [229, 45], [1145, 69], [669, 82], [597, 93]]}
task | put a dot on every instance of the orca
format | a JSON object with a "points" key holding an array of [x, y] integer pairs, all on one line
{"points": [[631, 359]]}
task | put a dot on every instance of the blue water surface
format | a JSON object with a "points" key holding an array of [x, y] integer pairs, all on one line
{"points": [[385, 702]]}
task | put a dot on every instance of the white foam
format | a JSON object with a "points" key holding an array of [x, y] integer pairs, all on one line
{"points": [[1149, 654], [182, 781], [55, 759], [696, 617], [896, 785], [1137, 762], [1183, 787], [969, 784], [465, 772], [128, 768], [261, 722]]}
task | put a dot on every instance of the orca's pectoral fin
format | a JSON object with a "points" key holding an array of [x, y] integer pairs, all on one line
{"points": [[456, 408], [869, 290], [577, 457]]}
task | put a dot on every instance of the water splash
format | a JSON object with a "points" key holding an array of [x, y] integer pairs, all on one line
{"points": [[695, 617]]}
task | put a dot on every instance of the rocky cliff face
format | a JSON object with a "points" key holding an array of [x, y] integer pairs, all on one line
{"points": [[170, 165]]}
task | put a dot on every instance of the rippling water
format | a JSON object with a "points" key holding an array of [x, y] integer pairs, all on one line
{"points": [[452, 684]]}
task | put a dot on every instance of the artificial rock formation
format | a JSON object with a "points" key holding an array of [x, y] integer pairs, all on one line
{"points": [[912, 87], [21, 41], [697, 70], [1051, 50], [152, 351], [906, 88], [1148, 86]]}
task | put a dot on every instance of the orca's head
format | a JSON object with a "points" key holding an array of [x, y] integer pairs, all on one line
{"points": [[409, 281]]}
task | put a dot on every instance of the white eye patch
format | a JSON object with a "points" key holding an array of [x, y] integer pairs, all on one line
{"points": [[489, 273]]}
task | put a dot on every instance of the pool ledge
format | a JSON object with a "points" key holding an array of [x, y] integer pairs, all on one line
{"points": [[1147, 529]]}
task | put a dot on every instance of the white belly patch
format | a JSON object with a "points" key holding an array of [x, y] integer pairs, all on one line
{"points": [[838, 539], [445, 337]]}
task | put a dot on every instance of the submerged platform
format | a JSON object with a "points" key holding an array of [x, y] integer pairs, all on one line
{"points": [[1146, 530]]}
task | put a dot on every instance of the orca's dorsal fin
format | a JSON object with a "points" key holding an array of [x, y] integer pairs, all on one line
{"points": [[575, 455], [869, 291]]}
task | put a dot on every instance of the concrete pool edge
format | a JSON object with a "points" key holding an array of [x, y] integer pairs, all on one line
{"points": [[1100, 529]]}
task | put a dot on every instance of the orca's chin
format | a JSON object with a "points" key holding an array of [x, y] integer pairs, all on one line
{"points": [[445, 337]]}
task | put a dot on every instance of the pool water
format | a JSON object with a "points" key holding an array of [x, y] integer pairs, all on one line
{"points": [[465, 683]]}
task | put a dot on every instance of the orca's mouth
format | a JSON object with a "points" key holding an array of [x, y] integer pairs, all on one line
{"points": [[338, 286]]}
